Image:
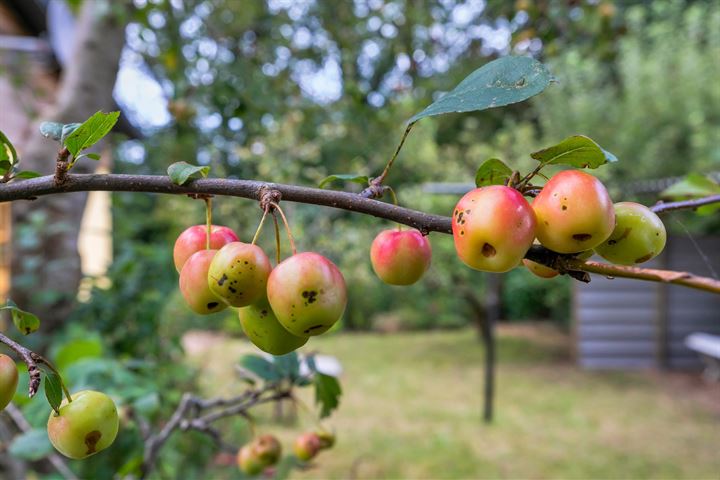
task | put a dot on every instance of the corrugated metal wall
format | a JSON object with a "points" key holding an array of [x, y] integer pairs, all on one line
{"points": [[622, 323]]}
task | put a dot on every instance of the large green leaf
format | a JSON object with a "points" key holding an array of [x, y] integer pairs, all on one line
{"points": [[577, 151], [327, 393], [90, 131], [501, 82], [26, 322], [74, 350], [31, 445], [180, 172], [493, 171]]}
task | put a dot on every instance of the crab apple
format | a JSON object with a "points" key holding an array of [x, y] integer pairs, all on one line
{"points": [[574, 212], [307, 445], [8, 380], [84, 426], [248, 461], [539, 269], [327, 439], [261, 326], [194, 239], [400, 257], [639, 235], [194, 284], [267, 449], [493, 227], [307, 293], [238, 273]]}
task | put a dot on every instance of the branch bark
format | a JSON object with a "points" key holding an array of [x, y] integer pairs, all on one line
{"points": [[425, 222]]}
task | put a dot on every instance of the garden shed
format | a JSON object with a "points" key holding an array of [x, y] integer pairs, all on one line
{"points": [[622, 323]]}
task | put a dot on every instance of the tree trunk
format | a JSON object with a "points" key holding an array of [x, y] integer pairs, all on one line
{"points": [[46, 263]]}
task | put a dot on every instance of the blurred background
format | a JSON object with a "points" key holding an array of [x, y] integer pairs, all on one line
{"points": [[593, 381]]}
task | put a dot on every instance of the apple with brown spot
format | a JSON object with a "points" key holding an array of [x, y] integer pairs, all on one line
{"points": [[238, 273], [493, 227]]}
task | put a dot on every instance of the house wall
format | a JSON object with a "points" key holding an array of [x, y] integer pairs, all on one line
{"points": [[625, 323]]}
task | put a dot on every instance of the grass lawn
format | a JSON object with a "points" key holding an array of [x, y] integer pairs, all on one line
{"points": [[412, 409]]}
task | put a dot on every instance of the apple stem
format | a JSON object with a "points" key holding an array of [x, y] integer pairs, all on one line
{"points": [[277, 239], [259, 228], [208, 221], [395, 202], [287, 227]]}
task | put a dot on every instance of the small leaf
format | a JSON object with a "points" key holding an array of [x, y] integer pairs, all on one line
{"points": [[327, 393], [264, 369], [180, 172], [578, 151], [52, 130], [26, 174], [361, 179], [26, 322], [693, 185], [492, 172], [90, 132], [501, 82], [53, 389], [31, 445], [7, 150], [94, 156]]}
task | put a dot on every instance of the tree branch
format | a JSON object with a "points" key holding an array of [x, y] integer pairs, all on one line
{"points": [[31, 360], [425, 222], [662, 207], [191, 414]]}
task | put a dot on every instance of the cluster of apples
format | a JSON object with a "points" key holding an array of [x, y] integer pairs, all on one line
{"points": [[494, 226], [83, 427], [265, 451], [279, 308]]}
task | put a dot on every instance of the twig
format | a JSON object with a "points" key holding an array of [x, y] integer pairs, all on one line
{"points": [[192, 414], [23, 425], [253, 189], [662, 207], [31, 360]]}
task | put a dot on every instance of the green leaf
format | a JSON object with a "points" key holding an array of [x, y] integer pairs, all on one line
{"points": [[260, 367], [361, 179], [90, 132], [492, 172], [94, 156], [26, 174], [284, 467], [7, 150], [31, 445], [327, 393], [501, 82], [578, 151], [693, 185], [288, 365], [26, 322], [78, 349], [53, 389], [180, 172]]}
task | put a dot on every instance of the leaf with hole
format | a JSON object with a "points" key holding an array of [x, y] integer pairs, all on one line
{"points": [[327, 393], [26, 322], [577, 151], [492, 172], [361, 179], [90, 132], [181, 172], [504, 81]]}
